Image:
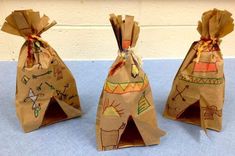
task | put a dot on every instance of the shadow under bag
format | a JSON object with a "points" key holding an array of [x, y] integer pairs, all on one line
{"points": [[126, 115], [197, 94], [45, 88]]}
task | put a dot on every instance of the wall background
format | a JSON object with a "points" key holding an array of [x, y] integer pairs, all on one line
{"points": [[168, 27]]}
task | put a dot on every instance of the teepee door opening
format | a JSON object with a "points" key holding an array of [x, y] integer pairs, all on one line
{"points": [[54, 113], [131, 135], [192, 114]]}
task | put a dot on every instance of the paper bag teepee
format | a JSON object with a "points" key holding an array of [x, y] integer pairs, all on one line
{"points": [[126, 115], [197, 94], [45, 88]]}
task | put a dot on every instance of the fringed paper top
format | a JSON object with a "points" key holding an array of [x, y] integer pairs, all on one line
{"points": [[215, 24], [26, 23], [126, 31]]}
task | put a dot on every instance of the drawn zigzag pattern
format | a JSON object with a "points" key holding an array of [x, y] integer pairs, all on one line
{"points": [[201, 80], [125, 87]]}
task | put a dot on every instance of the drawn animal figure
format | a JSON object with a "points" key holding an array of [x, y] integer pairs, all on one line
{"points": [[210, 111], [109, 138]]}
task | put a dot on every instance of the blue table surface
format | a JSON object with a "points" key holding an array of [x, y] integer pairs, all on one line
{"points": [[77, 136]]}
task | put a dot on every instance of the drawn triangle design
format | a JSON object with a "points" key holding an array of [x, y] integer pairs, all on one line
{"points": [[111, 86], [143, 104], [132, 84], [140, 85], [123, 86]]}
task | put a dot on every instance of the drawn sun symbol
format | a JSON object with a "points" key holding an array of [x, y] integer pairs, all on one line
{"points": [[112, 109]]}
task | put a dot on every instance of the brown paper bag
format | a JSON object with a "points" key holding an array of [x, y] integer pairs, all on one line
{"points": [[126, 115], [197, 94], [45, 88]]}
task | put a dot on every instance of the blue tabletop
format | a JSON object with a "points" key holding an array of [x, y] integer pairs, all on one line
{"points": [[77, 136]]}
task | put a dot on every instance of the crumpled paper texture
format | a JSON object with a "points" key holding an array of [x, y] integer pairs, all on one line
{"points": [[126, 114], [197, 94], [45, 88]]}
